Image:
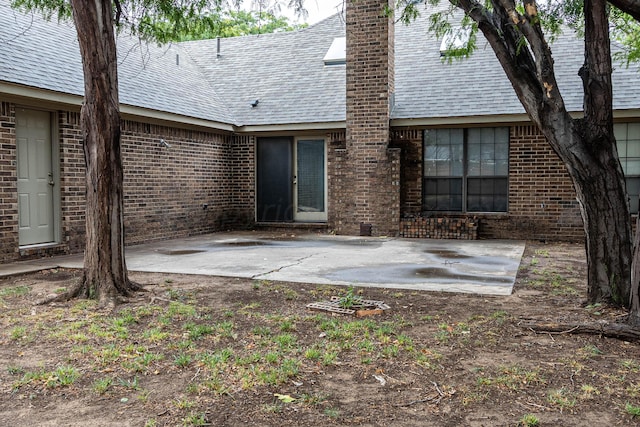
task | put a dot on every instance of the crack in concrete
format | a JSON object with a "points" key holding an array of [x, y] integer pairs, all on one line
{"points": [[275, 270]]}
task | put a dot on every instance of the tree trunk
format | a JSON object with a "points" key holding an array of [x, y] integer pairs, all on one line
{"points": [[586, 146], [634, 312], [105, 273], [603, 202]]}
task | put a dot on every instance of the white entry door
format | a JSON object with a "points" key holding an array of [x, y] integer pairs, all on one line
{"points": [[35, 177], [310, 181]]}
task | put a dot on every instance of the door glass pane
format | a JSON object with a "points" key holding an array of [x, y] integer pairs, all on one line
{"points": [[310, 158]]}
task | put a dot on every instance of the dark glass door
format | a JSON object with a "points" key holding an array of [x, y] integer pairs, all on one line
{"points": [[274, 177]]}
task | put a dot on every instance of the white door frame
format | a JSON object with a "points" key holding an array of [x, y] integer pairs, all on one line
{"points": [[309, 216], [55, 174]]}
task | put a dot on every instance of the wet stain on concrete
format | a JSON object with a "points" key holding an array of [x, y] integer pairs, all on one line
{"points": [[447, 253], [180, 252], [446, 274], [246, 243], [414, 274]]}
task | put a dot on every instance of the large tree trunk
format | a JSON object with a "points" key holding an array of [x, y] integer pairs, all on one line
{"points": [[599, 185], [634, 297], [587, 146], [600, 182], [105, 272]]}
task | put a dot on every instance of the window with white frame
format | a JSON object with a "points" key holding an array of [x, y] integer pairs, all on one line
{"points": [[466, 170], [628, 143]]}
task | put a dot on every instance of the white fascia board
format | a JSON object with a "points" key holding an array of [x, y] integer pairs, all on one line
{"points": [[626, 114], [140, 113], [503, 119], [52, 99], [16, 92], [293, 127]]}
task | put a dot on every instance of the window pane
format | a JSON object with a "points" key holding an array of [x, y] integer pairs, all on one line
{"points": [[502, 135], [633, 131], [633, 191], [633, 149], [442, 194], [474, 136], [473, 159], [502, 167], [487, 194], [502, 150], [633, 167], [488, 135], [620, 131], [443, 153], [457, 156], [621, 145]]}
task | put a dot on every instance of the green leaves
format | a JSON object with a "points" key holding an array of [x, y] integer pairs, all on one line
{"points": [[165, 21]]}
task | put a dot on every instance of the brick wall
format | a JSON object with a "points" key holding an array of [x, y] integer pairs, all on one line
{"points": [[180, 190], [542, 200], [241, 214], [203, 183], [410, 142], [72, 181], [8, 184], [372, 194], [542, 203]]}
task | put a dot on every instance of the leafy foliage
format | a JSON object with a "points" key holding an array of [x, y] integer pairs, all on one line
{"points": [[165, 21]]}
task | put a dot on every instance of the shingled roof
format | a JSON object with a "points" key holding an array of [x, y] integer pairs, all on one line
{"points": [[45, 55], [286, 73]]}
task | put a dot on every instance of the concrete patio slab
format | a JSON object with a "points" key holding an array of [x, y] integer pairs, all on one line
{"points": [[482, 266]]}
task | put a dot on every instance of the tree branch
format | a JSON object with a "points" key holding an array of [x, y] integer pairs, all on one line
{"points": [[611, 330], [535, 87], [632, 7]]}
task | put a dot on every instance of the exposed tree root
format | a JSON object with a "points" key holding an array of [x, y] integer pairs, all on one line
{"points": [[64, 296], [611, 330], [81, 290]]}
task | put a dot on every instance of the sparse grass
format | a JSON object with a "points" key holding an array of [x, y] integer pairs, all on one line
{"points": [[131, 384], [632, 410], [101, 385], [588, 392], [630, 366], [62, 376], [17, 333], [155, 335], [513, 378], [182, 360], [447, 331], [221, 351], [561, 398], [529, 420], [542, 253], [196, 332], [195, 419], [15, 291], [590, 351], [15, 370], [332, 413]]}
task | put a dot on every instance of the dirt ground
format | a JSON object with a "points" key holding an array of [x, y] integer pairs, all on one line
{"points": [[197, 350]]}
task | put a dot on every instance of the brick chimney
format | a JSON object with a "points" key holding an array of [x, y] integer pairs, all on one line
{"points": [[373, 202]]}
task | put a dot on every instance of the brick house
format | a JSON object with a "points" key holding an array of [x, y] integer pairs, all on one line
{"points": [[352, 125]]}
